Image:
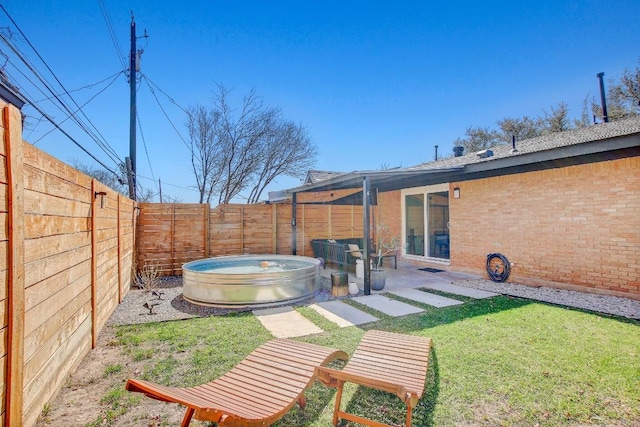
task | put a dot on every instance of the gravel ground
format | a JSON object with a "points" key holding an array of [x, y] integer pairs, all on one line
{"points": [[167, 302], [623, 307]]}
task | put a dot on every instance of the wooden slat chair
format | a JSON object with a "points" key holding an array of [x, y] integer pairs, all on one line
{"points": [[391, 362], [258, 391]]}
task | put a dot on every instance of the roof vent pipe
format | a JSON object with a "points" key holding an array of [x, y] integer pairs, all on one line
{"points": [[458, 150], [513, 144], [603, 98], [436, 152]]}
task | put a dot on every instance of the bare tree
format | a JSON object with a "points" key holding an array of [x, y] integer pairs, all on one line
{"points": [[287, 151], [106, 177], [203, 126], [233, 151], [115, 182]]}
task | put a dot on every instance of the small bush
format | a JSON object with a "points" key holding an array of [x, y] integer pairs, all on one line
{"points": [[149, 277]]}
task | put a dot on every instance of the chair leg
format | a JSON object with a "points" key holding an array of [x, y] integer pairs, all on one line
{"points": [[409, 412], [338, 399], [302, 401], [187, 417]]}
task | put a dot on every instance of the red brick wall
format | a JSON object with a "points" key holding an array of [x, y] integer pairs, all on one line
{"points": [[578, 225]]}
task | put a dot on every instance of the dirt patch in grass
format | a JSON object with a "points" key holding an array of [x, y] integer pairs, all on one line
{"points": [[94, 395]]}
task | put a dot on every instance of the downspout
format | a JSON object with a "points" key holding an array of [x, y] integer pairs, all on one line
{"points": [[366, 234]]}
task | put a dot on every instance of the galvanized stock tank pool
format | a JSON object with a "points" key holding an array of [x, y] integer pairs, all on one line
{"points": [[250, 280]]}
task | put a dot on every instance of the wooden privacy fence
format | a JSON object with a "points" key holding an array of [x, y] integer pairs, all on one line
{"points": [[66, 262], [171, 234]]}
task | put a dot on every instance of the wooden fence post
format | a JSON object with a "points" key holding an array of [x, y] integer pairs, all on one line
{"points": [[94, 267], [207, 232], [119, 243], [15, 276], [173, 238]]}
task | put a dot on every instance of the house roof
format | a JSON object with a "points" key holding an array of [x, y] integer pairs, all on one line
{"points": [[583, 137], [314, 176], [595, 143]]}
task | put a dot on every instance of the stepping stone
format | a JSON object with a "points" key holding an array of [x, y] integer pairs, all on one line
{"points": [[461, 290], [426, 298], [343, 314], [387, 306], [285, 322]]}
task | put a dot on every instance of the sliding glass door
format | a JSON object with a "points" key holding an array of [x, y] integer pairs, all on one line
{"points": [[426, 221], [414, 220]]}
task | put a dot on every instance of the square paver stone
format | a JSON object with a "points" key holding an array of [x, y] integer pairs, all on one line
{"points": [[427, 298], [343, 314], [461, 290], [285, 322], [387, 306]]}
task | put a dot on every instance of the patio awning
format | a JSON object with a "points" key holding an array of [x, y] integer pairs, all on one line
{"points": [[371, 183], [383, 180]]}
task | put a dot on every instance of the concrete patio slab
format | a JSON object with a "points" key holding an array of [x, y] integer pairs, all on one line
{"points": [[461, 290], [343, 314], [426, 298], [285, 322], [387, 306]]}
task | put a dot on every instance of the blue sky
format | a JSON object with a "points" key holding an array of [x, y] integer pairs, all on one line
{"points": [[375, 83]]}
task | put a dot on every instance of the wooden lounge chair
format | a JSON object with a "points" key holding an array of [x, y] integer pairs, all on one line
{"points": [[256, 392], [386, 361]]}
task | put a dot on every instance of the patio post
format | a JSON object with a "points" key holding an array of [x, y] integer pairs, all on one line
{"points": [[366, 241]]}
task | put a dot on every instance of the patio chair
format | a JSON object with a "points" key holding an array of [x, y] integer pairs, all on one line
{"points": [[386, 361], [258, 391]]}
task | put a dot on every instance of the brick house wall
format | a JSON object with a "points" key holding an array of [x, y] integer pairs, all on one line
{"points": [[565, 227]]}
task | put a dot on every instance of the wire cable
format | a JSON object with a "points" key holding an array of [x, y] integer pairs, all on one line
{"points": [[165, 113], [46, 116], [146, 152], [116, 159], [112, 34], [103, 144]]}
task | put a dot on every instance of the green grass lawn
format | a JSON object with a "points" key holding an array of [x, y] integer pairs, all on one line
{"points": [[499, 361]]}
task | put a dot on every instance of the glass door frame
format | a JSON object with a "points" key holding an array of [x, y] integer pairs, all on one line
{"points": [[425, 191]]}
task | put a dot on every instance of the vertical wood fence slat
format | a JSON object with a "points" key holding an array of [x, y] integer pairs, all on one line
{"points": [[16, 298], [242, 230], [94, 267], [274, 229]]}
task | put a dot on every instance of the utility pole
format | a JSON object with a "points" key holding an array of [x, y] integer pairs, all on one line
{"points": [[132, 109], [134, 67]]}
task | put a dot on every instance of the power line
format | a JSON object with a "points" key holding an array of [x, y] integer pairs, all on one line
{"points": [[101, 143], [164, 112], [89, 86], [146, 152], [112, 34], [46, 116], [83, 105]]}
